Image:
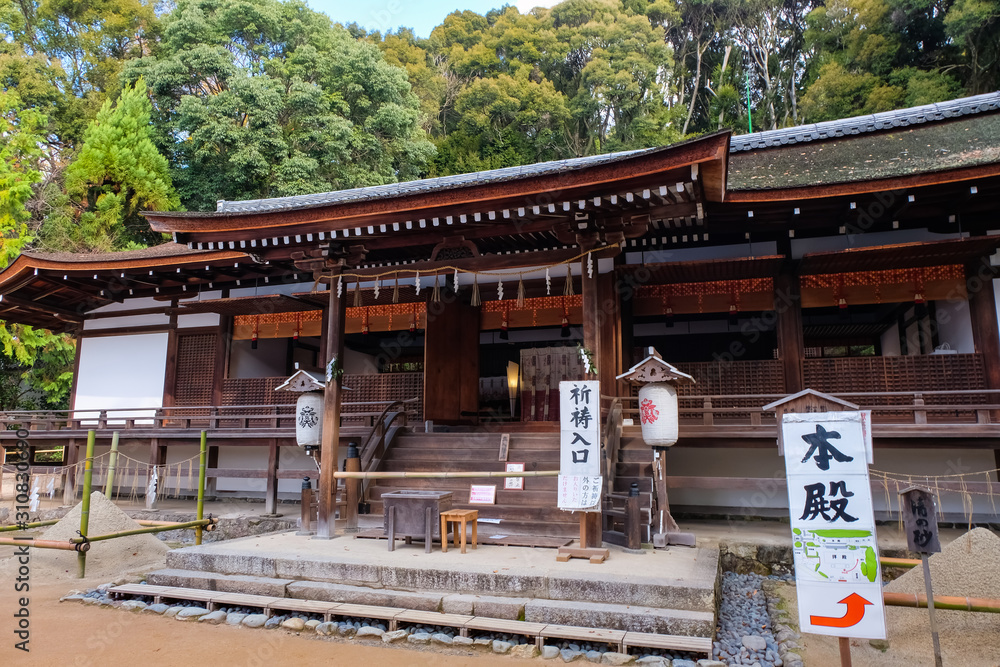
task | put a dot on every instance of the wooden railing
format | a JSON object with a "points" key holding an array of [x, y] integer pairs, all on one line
{"points": [[210, 417], [980, 406], [374, 449]]}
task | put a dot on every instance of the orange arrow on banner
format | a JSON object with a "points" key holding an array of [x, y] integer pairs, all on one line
{"points": [[855, 612]]}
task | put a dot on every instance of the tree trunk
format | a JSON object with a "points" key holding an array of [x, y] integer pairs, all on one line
{"points": [[699, 50]]}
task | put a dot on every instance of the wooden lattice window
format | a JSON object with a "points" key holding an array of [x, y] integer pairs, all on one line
{"points": [[195, 369]]}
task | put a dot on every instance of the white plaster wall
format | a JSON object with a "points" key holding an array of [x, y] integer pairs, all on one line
{"points": [[126, 320], [294, 458], [954, 325], [131, 304], [198, 320], [765, 463], [121, 372], [243, 458], [188, 478]]}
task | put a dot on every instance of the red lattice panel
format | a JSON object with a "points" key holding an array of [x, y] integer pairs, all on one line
{"points": [[195, 369]]}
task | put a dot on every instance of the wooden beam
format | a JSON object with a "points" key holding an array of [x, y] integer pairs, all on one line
{"points": [[490, 262], [329, 448]]}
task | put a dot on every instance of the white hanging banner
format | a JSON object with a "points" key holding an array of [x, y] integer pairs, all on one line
{"points": [[837, 572], [580, 481]]}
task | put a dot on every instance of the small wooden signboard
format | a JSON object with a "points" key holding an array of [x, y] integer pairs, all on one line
{"points": [[504, 446], [920, 520], [483, 494], [514, 483], [919, 511]]}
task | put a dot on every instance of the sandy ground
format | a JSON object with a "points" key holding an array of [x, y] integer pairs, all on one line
{"points": [[72, 634]]}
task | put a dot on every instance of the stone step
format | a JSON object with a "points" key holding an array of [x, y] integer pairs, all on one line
{"points": [[640, 589], [631, 618]]}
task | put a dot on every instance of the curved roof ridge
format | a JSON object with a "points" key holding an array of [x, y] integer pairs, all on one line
{"points": [[885, 120], [424, 185]]}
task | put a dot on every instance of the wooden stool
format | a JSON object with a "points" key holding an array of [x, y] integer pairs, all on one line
{"points": [[460, 518]]}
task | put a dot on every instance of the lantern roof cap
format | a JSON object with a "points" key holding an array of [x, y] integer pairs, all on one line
{"points": [[302, 381], [654, 369]]}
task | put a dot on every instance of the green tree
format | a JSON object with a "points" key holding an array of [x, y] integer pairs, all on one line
{"points": [[31, 360], [260, 98], [117, 174], [975, 25], [504, 121]]}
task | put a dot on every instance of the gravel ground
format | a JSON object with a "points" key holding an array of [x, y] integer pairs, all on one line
{"points": [[745, 633]]}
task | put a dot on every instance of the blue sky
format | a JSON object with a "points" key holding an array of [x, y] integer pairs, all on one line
{"points": [[421, 15]]}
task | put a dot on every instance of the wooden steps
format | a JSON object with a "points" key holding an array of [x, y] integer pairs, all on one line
{"points": [[621, 640], [529, 511]]}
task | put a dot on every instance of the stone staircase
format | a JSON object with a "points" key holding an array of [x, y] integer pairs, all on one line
{"points": [[658, 595]]}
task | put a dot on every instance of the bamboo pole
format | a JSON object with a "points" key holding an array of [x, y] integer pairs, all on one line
{"points": [[442, 475], [899, 562], [202, 458], [109, 483], [45, 544], [28, 526], [88, 475], [209, 524], [956, 603]]}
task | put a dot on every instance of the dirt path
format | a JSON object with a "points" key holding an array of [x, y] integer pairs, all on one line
{"points": [[74, 635]]}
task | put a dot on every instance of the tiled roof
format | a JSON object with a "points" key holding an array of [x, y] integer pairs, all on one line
{"points": [[887, 120], [425, 185]]}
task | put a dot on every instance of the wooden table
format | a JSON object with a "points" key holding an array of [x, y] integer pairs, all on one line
{"points": [[460, 518]]}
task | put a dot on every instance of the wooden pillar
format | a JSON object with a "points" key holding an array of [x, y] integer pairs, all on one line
{"points": [[791, 347], [609, 357], [71, 456], [985, 332], [591, 299], [170, 371], [223, 343], [271, 494], [211, 484], [983, 311], [336, 319]]}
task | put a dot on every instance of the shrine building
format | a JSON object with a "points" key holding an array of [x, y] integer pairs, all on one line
{"points": [[852, 257]]}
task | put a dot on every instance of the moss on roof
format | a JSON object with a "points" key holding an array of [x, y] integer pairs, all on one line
{"points": [[964, 142]]}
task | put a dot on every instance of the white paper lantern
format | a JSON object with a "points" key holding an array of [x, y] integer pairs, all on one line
{"points": [[309, 419], [658, 414]]}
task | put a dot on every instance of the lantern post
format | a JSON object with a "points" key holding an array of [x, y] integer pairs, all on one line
{"points": [[659, 417]]}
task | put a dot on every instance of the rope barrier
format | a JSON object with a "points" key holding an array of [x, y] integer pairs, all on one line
{"points": [[450, 268]]}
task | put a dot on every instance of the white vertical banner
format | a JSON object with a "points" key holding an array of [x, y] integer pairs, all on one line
{"points": [[837, 571], [580, 481]]}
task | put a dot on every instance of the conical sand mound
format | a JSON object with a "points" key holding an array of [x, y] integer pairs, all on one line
{"points": [[967, 567], [107, 559]]}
